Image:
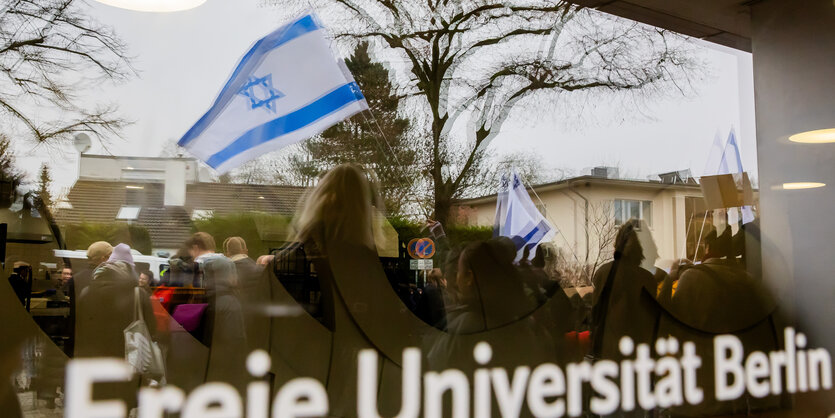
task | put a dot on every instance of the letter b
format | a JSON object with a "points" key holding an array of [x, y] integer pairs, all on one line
{"points": [[727, 351]]}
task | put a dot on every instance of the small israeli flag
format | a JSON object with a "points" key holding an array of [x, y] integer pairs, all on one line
{"points": [[288, 87], [518, 218], [728, 160]]}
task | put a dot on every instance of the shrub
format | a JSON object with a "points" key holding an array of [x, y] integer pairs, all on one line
{"points": [[261, 231]]}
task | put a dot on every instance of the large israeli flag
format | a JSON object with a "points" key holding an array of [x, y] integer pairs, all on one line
{"points": [[288, 87], [518, 218]]}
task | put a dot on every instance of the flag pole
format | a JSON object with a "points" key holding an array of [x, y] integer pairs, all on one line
{"points": [[394, 156], [699, 241], [559, 231]]}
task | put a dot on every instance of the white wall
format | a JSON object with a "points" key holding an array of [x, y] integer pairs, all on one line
{"points": [[566, 210], [794, 64]]}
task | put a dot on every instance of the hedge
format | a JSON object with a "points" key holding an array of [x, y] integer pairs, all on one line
{"points": [[80, 236]]}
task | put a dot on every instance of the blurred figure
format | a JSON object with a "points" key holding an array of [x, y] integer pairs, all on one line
{"points": [[97, 253], [624, 296], [667, 288], [104, 309], [339, 210], [334, 239], [747, 246], [492, 293], [718, 247], [21, 281], [65, 282], [719, 297], [254, 293], [224, 331], [650, 252], [450, 272], [431, 308], [533, 276], [82, 274], [146, 279], [181, 270], [718, 281]]}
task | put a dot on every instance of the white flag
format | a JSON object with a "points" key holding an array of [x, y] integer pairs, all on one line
{"points": [[518, 218], [288, 87], [728, 160]]}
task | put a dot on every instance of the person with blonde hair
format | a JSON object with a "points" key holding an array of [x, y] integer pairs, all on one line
{"points": [[340, 208], [235, 248], [332, 270]]}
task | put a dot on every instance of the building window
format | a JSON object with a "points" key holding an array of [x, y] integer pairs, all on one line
{"points": [[128, 213], [199, 214], [628, 209]]}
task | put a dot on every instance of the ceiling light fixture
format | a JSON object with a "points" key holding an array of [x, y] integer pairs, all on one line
{"points": [[134, 187], [820, 136], [801, 185], [161, 6]]}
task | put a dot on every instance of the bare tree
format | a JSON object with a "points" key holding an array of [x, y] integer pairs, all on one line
{"points": [[291, 166], [49, 51], [473, 61], [529, 166], [599, 232]]}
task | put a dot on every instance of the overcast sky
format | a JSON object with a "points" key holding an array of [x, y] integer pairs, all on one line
{"points": [[184, 58]]}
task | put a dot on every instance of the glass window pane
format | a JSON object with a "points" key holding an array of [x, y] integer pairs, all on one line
{"points": [[634, 209]]}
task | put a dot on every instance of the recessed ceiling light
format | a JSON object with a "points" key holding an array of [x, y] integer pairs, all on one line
{"points": [[154, 5], [800, 185], [260, 197], [134, 187], [820, 136]]}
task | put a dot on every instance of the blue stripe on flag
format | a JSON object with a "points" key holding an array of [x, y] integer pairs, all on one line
{"points": [[244, 69], [324, 106]]}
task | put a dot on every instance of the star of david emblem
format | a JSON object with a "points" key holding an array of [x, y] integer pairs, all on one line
{"points": [[516, 181], [505, 182], [261, 93]]}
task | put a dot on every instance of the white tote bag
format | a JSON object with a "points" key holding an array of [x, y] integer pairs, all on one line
{"points": [[141, 352]]}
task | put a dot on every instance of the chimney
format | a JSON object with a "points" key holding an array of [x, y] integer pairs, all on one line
{"points": [[175, 183], [605, 172]]}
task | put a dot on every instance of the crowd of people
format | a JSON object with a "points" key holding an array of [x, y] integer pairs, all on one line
{"points": [[488, 290]]}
